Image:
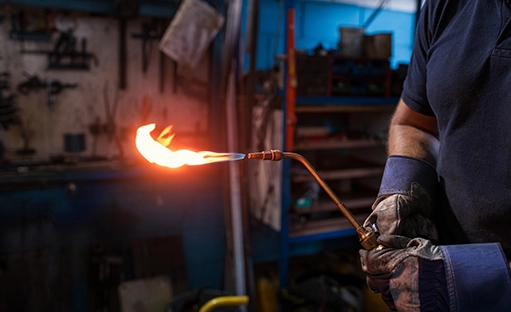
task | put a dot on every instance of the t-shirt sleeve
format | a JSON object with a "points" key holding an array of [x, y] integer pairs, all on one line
{"points": [[414, 87]]}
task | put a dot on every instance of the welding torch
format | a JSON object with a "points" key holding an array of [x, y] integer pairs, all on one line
{"points": [[367, 236]]}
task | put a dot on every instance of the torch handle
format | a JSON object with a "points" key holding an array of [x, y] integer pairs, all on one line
{"points": [[367, 236]]}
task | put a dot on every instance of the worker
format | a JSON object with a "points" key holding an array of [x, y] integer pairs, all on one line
{"points": [[443, 211]]}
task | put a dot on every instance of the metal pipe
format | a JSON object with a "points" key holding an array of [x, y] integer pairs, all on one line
{"points": [[375, 13], [367, 236]]}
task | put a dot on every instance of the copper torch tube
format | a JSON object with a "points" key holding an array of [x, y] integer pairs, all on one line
{"points": [[367, 236]]}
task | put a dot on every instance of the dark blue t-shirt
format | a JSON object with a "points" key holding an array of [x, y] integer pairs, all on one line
{"points": [[460, 72]]}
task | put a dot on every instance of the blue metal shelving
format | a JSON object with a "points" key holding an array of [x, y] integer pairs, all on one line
{"points": [[285, 240], [342, 100]]}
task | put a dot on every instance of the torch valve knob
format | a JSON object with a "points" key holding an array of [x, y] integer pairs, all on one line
{"points": [[368, 238]]}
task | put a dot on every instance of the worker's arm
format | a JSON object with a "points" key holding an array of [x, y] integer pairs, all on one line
{"points": [[411, 272], [413, 134], [407, 194]]}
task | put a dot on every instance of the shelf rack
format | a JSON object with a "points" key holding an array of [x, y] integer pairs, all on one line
{"points": [[293, 105], [335, 227]]}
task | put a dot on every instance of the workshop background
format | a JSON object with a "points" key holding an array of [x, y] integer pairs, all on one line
{"points": [[87, 224]]}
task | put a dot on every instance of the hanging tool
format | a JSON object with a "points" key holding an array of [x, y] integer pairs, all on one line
{"points": [[146, 47], [26, 136], [65, 54], [9, 110], [125, 10], [122, 53], [150, 32], [367, 236], [110, 127], [34, 27], [162, 72], [52, 88], [162, 61], [33, 83], [110, 111]]}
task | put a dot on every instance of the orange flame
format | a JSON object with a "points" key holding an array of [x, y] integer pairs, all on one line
{"points": [[157, 151]]}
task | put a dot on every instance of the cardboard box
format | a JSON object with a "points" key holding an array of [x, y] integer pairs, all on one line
{"points": [[378, 46]]}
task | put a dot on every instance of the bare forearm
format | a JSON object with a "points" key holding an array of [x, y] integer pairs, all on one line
{"points": [[407, 140], [413, 134]]}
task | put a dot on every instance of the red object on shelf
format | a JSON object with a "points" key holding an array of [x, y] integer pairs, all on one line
{"points": [[291, 81]]}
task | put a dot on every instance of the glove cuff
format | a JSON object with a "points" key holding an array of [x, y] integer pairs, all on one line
{"points": [[401, 171]]}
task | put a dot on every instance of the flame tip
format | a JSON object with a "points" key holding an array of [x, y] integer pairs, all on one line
{"points": [[157, 151]]}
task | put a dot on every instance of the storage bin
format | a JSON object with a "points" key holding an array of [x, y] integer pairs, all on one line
{"points": [[352, 41]]}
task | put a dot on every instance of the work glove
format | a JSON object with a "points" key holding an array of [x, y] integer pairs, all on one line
{"points": [[409, 273], [416, 275], [406, 199]]}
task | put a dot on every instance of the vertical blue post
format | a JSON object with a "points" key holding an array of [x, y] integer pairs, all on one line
{"points": [[286, 175]]}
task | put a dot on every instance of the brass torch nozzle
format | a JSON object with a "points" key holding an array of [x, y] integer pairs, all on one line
{"points": [[274, 155]]}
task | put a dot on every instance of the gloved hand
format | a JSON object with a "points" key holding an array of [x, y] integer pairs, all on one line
{"points": [[405, 202], [409, 273], [405, 214]]}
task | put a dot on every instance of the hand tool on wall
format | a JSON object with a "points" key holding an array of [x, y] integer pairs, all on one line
{"points": [[26, 135], [162, 60], [35, 26], [8, 106], [146, 46], [162, 72], [110, 111], [52, 88], [122, 54], [111, 127], [150, 33], [125, 9], [33, 83], [65, 54]]}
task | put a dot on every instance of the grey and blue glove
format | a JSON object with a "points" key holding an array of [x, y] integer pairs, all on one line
{"points": [[409, 273], [416, 275], [413, 274], [406, 199]]}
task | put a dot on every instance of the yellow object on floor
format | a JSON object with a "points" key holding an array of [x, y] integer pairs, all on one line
{"points": [[223, 301], [267, 300]]}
